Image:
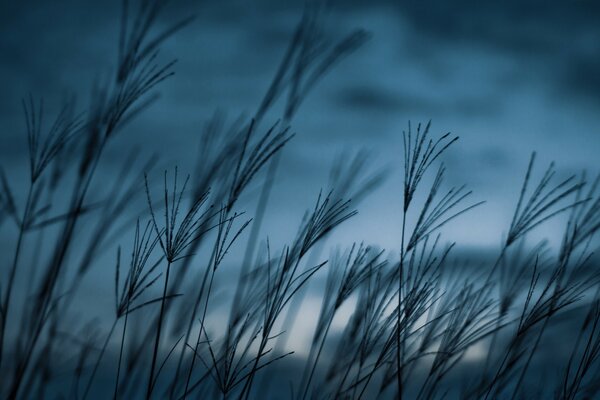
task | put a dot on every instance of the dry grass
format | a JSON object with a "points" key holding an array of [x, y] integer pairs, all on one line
{"points": [[410, 321]]}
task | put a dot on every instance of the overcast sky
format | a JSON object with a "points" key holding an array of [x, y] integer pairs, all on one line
{"points": [[508, 77]]}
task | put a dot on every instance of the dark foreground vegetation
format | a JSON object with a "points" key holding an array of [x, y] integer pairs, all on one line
{"points": [[413, 325]]}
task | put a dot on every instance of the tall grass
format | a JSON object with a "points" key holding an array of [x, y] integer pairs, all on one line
{"points": [[407, 325]]}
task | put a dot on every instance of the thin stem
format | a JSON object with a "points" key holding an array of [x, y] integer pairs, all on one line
{"points": [[248, 385], [97, 364], [199, 335], [121, 352], [256, 225], [399, 349], [13, 270], [494, 339], [158, 331], [318, 355], [526, 366], [198, 301], [49, 282]]}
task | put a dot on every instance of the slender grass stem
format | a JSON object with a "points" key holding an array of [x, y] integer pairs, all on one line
{"points": [[49, 282], [158, 334], [399, 342], [13, 271], [316, 359], [115, 394], [88, 386], [202, 322]]}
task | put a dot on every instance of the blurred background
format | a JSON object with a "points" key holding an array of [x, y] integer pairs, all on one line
{"points": [[507, 77]]}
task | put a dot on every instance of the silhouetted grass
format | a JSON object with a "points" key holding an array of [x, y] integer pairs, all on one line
{"points": [[407, 325]]}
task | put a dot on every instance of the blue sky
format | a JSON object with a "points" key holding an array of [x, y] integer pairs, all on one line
{"points": [[508, 78]]}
